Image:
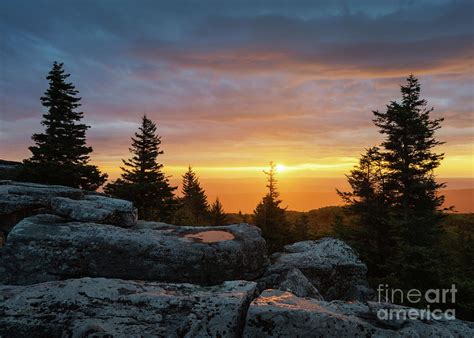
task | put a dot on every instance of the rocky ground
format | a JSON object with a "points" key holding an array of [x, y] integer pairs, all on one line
{"points": [[79, 264]]}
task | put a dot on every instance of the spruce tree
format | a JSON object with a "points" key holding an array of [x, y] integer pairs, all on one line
{"points": [[60, 154], [217, 214], [395, 198], [371, 232], [195, 208], [410, 161], [414, 198], [270, 217], [143, 181]]}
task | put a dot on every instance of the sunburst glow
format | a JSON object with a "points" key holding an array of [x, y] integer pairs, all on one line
{"points": [[280, 168]]}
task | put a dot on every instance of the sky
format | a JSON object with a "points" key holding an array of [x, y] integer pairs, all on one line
{"points": [[233, 85]]}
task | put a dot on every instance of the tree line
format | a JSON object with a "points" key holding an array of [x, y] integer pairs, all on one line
{"points": [[394, 192], [61, 156]]}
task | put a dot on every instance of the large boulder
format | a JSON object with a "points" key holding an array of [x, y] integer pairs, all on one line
{"points": [[278, 313], [97, 209], [98, 307], [292, 280], [47, 247], [329, 264], [19, 200]]}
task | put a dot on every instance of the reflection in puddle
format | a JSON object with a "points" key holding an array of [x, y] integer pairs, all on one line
{"points": [[211, 236]]}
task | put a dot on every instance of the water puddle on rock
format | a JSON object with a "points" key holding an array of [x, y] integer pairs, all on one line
{"points": [[211, 236]]}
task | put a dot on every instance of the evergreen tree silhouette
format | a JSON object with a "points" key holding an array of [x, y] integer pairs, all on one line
{"points": [[143, 181], [395, 195], [371, 233], [270, 217], [217, 214], [413, 195], [410, 161], [60, 154], [195, 208]]}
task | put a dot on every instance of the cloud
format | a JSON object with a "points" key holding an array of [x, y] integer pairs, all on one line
{"points": [[428, 39], [235, 82]]}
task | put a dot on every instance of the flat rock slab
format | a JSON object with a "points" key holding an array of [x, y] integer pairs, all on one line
{"points": [[99, 307], [329, 264], [34, 191], [46, 247], [19, 200], [281, 314], [96, 208]]}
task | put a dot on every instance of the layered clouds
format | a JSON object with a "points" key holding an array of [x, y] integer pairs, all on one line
{"points": [[239, 83]]}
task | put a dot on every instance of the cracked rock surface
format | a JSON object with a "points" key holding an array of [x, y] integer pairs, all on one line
{"points": [[79, 264], [331, 266], [47, 247], [20, 199], [277, 313], [96, 208], [98, 307]]}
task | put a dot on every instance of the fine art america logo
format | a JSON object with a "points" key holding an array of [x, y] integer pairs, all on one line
{"points": [[415, 296]]}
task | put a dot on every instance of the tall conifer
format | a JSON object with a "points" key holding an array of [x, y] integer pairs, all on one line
{"points": [[372, 231], [395, 195], [143, 181], [270, 217], [217, 214], [413, 196], [407, 152], [194, 205], [60, 154]]}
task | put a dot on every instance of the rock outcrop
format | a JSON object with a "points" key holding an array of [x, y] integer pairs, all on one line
{"points": [[19, 200], [278, 313], [8, 169], [97, 209], [47, 247], [98, 307], [292, 280], [79, 264], [331, 266]]}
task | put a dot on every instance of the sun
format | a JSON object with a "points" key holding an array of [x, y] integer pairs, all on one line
{"points": [[280, 168]]}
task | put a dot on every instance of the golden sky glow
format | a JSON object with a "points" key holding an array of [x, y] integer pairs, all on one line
{"points": [[236, 85]]}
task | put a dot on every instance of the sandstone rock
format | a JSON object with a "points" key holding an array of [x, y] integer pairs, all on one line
{"points": [[97, 209], [329, 264], [281, 314], [46, 247], [98, 307]]}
